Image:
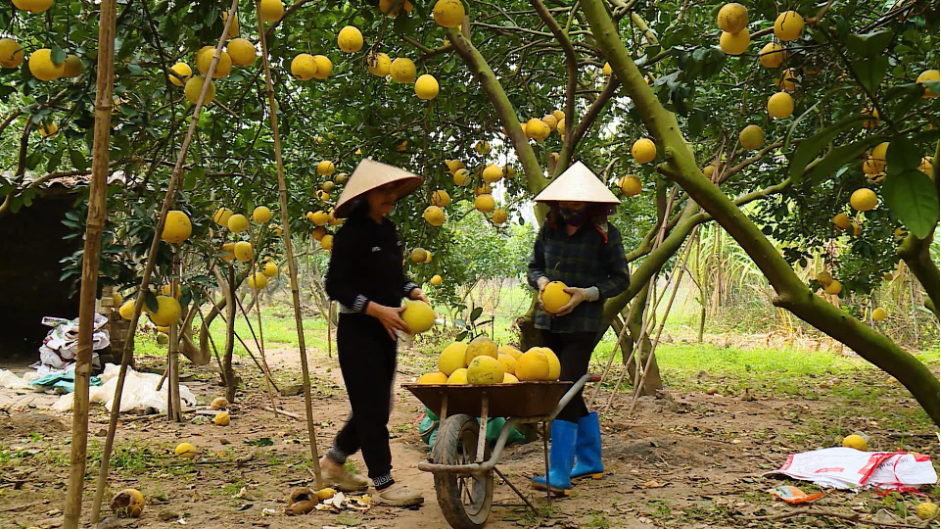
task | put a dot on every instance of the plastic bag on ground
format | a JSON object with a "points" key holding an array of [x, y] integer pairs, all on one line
{"points": [[846, 468], [140, 392]]}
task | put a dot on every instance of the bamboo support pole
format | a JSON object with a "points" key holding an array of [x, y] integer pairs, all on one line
{"points": [[174, 406], [94, 226], [289, 250], [154, 247]]}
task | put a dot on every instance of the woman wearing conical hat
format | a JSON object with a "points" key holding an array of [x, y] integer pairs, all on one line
{"points": [[367, 279], [579, 247]]}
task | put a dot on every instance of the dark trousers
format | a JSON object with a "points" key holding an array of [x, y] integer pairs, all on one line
{"points": [[574, 351], [367, 361]]}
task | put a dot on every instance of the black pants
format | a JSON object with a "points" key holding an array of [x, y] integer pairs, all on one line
{"points": [[367, 360], [574, 351]]}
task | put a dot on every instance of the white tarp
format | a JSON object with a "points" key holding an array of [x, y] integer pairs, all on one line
{"points": [[140, 392], [846, 468]]}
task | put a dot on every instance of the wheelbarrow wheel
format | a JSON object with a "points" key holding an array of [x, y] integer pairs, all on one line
{"points": [[464, 500]]}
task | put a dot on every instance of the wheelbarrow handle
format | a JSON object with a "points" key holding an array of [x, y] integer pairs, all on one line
{"points": [[570, 394]]}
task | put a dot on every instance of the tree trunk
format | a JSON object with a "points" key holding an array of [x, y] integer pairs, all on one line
{"points": [[94, 225], [652, 381], [228, 373], [793, 294]]}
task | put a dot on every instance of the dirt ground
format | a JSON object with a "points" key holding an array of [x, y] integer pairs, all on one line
{"points": [[686, 460]]}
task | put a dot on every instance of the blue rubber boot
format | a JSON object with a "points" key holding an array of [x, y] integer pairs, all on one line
{"points": [[561, 458], [588, 449]]}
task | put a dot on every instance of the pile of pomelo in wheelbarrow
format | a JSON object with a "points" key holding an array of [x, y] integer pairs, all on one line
{"points": [[482, 362]]}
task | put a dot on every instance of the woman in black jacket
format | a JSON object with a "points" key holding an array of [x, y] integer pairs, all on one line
{"points": [[366, 277]]}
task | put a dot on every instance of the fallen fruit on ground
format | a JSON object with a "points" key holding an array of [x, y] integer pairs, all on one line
{"points": [[129, 503], [879, 314], [452, 358], [856, 442], [186, 450], [926, 510], [219, 403], [221, 419], [418, 315], [554, 297], [484, 370]]}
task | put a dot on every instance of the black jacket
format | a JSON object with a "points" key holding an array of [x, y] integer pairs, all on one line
{"points": [[366, 265]]}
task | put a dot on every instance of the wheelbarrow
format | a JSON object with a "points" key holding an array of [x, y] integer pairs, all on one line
{"points": [[462, 462]]}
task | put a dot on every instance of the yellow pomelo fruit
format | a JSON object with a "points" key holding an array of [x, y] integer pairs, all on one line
{"points": [[856, 442], [427, 258], [180, 73], [484, 370], [510, 350], [926, 510], [485, 203], [554, 297], [509, 171], [261, 214], [42, 67], [324, 67], [271, 10], [788, 26], [116, 299], [484, 189], [204, 59], [448, 13], [824, 278], [780, 105], [834, 288], [433, 378], [168, 311], [454, 165], [492, 173], [559, 115], [752, 137], [462, 177], [380, 65], [732, 17], [392, 8], [480, 346], [508, 361], [243, 251], [864, 199], [325, 168], [186, 450], [555, 367], [879, 314], [403, 70], [537, 129], [194, 86], [928, 76], [221, 216], [73, 66], [734, 43], [434, 215], [788, 81], [326, 242], [842, 221], [499, 216], [221, 419], [237, 223], [606, 69], [643, 150], [303, 67], [426, 87], [878, 153], [533, 365], [419, 255], [46, 131], [129, 503], [872, 167], [235, 28], [350, 40], [509, 378], [452, 358], [33, 6], [258, 281], [550, 121], [163, 329], [630, 185], [177, 228], [772, 55], [441, 198], [709, 170], [328, 186], [241, 51], [320, 218], [436, 280], [458, 377], [418, 315], [270, 269], [127, 310], [11, 53]]}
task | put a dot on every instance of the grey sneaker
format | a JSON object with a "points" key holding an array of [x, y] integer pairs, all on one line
{"points": [[341, 478], [399, 495]]}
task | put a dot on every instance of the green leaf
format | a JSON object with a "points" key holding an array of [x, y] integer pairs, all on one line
{"points": [[78, 160], [810, 147], [150, 300], [903, 155], [869, 44], [871, 71], [134, 69], [911, 196], [58, 55], [839, 157], [476, 313]]}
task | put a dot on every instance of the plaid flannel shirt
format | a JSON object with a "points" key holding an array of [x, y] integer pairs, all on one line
{"points": [[588, 258]]}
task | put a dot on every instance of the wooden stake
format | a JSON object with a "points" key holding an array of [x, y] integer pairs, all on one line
{"points": [[155, 244], [289, 250], [94, 225], [174, 406]]}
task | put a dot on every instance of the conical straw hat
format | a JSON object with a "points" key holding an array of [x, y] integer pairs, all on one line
{"points": [[577, 184], [368, 176]]}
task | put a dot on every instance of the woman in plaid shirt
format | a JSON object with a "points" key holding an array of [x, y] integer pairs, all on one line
{"points": [[579, 247]]}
